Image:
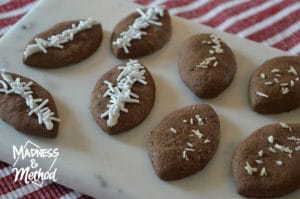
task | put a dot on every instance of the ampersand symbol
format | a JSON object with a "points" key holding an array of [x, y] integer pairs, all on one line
{"points": [[34, 164]]}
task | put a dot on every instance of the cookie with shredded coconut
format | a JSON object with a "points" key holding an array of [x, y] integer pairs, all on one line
{"points": [[141, 33], [63, 44], [207, 65], [266, 164], [184, 141], [27, 106], [274, 87], [123, 97]]}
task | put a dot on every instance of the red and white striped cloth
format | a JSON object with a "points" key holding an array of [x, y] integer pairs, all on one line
{"points": [[271, 22]]}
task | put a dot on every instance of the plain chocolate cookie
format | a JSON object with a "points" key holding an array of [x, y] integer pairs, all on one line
{"points": [[266, 164], [136, 112], [83, 45], [275, 87], [14, 111], [155, 37], [184, 141], [206, 65]]}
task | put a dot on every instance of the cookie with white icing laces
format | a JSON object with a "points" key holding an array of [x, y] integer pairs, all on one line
{"points": [[275, 86], [141, 33], [206, 65], [123, 97], [266, 164], [184, 141], [27, 106], [64, 44]]}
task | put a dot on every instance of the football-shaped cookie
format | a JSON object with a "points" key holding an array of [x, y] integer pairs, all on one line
{"points": [[123, 97], [275, 86], [206, 65], [184, 141], [141, 33], [63, 44], [266, 164], [27, 106]]}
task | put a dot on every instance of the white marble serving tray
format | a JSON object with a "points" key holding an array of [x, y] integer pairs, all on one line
{"points": [[104, 166]]}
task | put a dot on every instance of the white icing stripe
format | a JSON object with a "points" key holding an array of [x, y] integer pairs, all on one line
{"points": [[134, 31], [44, 114], [121, 94], [55, 41]]}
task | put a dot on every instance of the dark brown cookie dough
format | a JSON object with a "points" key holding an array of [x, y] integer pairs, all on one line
{"points": [[184, 141], [206, 65], [275, 86], [156, 36], [14, 111], [266, 164], [84, 44], [137, 112]]}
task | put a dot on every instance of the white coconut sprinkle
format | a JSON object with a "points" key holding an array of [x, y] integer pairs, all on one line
{"points": [[279, 162], [217, 41], [191, 121], [285, 126], [149, 17], [272, 149], [206, 62], [215, 64], [216, 48], [297, 148], [293, 138], [259, 161], [173, 130], [261, 94], [276, 80], [290, 155], [202, 66], [283, 148], [190, 144], [260, 153], [263, 172], [250, 170], [292, 83], [284, 84], [271, 139], [277, 75], [285, 90], [275, 70], [199, 119], [197, 133], [189, 149], [297, 79], [184, 155], [263, 75], [293, 71], [184, 121], [206, 141], [268, 83]]}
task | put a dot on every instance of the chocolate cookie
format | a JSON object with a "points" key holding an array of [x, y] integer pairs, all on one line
{"points": [[141, 33], [275, 87], [123, 97], [184, 141], [266, 164], [27, 106], [63, 44], [206, 65]]}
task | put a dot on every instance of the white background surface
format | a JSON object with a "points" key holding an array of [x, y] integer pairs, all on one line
{"points": [[106, 166]]}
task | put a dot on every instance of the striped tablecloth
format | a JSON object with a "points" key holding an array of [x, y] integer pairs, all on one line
{"points": [[271, 22]]}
